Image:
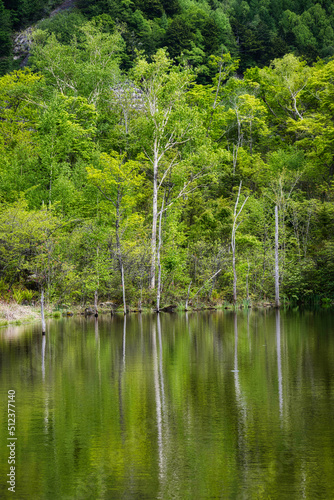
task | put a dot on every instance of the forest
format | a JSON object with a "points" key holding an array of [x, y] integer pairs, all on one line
{"points": [[145, 147]]}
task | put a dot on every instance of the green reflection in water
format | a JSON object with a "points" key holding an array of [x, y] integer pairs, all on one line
{"points": [[218, 405]]}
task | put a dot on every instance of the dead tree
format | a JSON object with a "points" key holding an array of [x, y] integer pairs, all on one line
{"points": [[95, 304], [234, 230], [42, 313], [277, 301], [159, 257]]}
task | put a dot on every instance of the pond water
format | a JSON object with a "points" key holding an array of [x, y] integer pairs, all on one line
{"points": [[180, 406]]}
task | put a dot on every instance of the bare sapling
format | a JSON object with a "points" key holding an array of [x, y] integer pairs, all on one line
{"points": [[95, 305], [234, 230], [277, 301], [187, 300], [213, 276], [159, 257], [42, 313]]}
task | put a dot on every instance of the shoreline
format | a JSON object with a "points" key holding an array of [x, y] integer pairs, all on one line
{"points": [[15, 314]]}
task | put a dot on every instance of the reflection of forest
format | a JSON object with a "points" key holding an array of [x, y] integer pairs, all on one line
{"points": [[191, 406]]}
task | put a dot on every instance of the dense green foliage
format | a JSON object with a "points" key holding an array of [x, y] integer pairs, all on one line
{"points": [[102, 103], [255, 31]]}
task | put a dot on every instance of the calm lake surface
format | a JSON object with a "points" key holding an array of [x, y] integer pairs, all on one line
{"points": [[198, 406]]}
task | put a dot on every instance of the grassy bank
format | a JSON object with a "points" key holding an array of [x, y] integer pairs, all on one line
{"points": [[13, 313]]}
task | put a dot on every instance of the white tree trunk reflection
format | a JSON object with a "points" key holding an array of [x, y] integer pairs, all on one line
{"points": [[159, 399], [98, 345], [120, 379], [43, 357], [279, 364], [242, 407]]}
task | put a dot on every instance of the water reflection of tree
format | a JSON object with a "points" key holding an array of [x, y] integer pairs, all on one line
{"points": [[120, 384], [189, 424], [279, 364], [242, 443], [159, 399], [46, 392], [98, 345], [43, 357]]}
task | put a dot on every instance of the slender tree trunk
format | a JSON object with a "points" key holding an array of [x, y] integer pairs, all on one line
{"points": [[277, 301], [234, 230], [119, 250], [154, 215], [158, 257], [42, 313], [48, 246], [294, 100], [123, 285], [95, 304], [186, 306], [238, 145], [234, 269], [141, 296], [98, 283]]}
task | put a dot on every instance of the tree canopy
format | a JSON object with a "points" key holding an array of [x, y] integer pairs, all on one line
{"points": [[125, 143]]}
